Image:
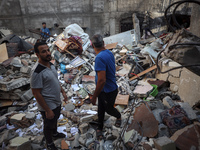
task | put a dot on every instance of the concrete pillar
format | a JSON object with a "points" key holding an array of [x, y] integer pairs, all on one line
{"points": [[195, 20], [136, 26]]}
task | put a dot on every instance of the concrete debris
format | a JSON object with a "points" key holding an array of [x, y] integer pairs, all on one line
{"points": [[164, 143], [19, 141], [188, 137], [153, 106]]}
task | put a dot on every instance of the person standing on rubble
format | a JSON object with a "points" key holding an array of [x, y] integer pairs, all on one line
{"points": [[45, 33], [46, 89], [106, 86]]}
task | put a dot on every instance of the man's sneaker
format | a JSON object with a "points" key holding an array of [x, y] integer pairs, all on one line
{"points": [[59, 136], [51, 147]]}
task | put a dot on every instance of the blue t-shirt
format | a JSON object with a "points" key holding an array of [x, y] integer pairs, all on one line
{"points": [[46, 30], [105, 61]]}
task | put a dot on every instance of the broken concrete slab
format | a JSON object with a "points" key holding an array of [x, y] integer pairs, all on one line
{"points": [[143, 90], [13, 84], [27, 95], [17, 117], [189, 111], [83, 128], [19, 141], [146, 121], [164, 143], [121, 99], [188, 137], [6, 135]]}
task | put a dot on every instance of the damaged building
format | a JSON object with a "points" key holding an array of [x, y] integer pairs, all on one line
{"points": [[156, 47]]}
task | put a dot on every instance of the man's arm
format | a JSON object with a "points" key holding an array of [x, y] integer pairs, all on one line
{"points": [[40, 99], [100, 84], [64, 94]]}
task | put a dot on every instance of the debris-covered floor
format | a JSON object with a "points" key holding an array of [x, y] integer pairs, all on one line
{"points": [[154, 116]]}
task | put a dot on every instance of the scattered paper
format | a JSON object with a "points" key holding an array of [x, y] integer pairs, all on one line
{"points": [[74, 130]]}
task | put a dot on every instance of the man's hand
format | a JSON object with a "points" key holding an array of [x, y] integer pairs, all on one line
{"points": [[94, 100], [65, 99], [50, 114]]}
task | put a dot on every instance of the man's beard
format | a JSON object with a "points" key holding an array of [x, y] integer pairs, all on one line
{"points": [[47, 58]]}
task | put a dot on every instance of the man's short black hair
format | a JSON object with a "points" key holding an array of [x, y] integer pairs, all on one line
{"points": [[37, 45], [97, 41], [43, 23]]}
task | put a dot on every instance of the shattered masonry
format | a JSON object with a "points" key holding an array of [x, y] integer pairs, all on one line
{"points": [[160, 108]]}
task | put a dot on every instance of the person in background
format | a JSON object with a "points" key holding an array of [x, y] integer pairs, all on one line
{"points": [[45, 33], [106, 86], [46, 89]]}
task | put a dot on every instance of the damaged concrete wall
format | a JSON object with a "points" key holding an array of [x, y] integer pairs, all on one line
{"points": [[183, 82], [95, 16], [11, 16]]}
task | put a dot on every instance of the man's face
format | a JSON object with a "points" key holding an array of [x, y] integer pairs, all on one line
{"points": [[44, 53], [44, 25]]}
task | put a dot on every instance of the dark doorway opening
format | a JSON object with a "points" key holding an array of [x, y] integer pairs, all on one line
{"points": [[126, 24]]}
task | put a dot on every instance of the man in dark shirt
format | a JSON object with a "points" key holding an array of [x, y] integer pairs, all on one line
{"points": [[106, 87]]}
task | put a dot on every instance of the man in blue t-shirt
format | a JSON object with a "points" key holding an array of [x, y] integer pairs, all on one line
{"points": [[45, 33], [106, 87]]}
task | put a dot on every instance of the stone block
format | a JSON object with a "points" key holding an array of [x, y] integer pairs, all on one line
{"points": [[83, 128], [168, 102], [27, 95], [156, 113], [87, 118], [189, 111], [25, 69], [164, 143], [189, 89], [20, 143]]}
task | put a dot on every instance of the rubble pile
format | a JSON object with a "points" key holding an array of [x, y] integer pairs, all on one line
{"points": [[153, 116]]}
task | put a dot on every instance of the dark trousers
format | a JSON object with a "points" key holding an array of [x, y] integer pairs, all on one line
{"points": [[106, 103], [50, 125]]}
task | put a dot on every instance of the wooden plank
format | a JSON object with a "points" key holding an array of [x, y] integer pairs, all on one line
{"points": [[143, 73], [111, 46], [3, 52], [4, 103], [122, 99]]}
